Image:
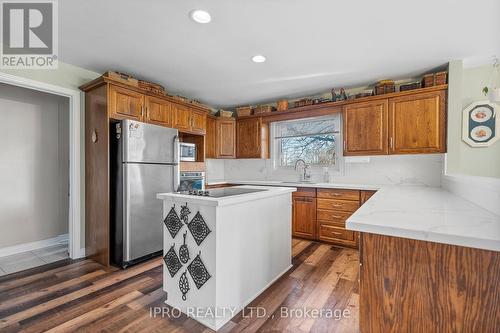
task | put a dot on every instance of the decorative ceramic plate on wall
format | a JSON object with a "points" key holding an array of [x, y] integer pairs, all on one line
{"points": [[481, 133], [481, 114], [481, 127]]}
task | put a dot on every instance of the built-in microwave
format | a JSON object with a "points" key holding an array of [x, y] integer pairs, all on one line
{"points": [[188, 151]]}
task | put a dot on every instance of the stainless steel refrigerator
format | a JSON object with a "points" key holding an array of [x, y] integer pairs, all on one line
{"points": [[144, 161]]}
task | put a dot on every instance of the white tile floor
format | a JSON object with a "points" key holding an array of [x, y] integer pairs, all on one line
{"points": [[26, 260]]}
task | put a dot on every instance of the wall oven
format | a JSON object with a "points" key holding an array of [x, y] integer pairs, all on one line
{"points": [[191, 180], [187, 152]]}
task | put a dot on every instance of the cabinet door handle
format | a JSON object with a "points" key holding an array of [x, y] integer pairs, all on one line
{"points": [[392, 143], [345, 144], [142, 110], [336, 217], [336, 194]]}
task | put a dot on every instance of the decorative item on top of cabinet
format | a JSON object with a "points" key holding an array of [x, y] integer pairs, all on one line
{"points": [[262, 109], [252, 138], [282, 105], [417, 123], [384, 87], [244, 111], [304, 213], [365, 128]]}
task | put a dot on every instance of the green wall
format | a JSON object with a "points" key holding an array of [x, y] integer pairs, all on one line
{"points": [[71, 77], [465, 85]]}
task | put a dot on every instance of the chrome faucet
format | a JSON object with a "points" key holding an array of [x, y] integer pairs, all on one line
{"points": [[305, 176]]}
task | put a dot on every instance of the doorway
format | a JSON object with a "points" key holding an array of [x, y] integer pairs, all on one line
{"points": [[35, 178]]}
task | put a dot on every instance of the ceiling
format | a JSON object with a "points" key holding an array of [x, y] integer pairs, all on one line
{"points": [[310, 45]]}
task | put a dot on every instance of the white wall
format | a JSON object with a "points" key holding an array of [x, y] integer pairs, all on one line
{"points": [[396, 169], [34, 165]]}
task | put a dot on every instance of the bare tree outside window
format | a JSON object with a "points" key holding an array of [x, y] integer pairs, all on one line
{"points": [[312, 140]]}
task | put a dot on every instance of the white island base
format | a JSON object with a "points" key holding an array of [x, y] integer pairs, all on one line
{"points": [[247, 249]]}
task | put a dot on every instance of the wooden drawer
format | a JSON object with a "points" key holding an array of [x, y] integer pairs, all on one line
{"points": [[342, 194], [332, 233], [338, 205], [305, 192], [337, 218]]}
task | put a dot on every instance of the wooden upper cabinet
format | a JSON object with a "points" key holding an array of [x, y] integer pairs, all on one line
{"points": [[304, 217], [417, 123], [252, 138], [198, 121], [226, 138], [365, 128], [210, 138], [125, 104], [182, 117], [158, 111]]}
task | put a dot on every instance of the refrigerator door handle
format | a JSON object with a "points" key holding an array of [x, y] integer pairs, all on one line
{"points": [[176, 168]]}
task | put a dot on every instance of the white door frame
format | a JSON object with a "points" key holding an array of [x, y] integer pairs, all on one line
{"points": [[74, 152]]}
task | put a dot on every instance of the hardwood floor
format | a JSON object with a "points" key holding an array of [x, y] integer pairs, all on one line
{"points": [[83, 296]]}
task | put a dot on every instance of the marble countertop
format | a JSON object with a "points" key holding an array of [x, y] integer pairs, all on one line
{"points": [[229, 200], [428, 214], [298, 184], [416, 212]]}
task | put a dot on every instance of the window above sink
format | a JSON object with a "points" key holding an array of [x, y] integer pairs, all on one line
{"points": [[314, 140]]}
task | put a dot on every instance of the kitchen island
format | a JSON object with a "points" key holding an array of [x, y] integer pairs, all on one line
{"points": [[429, 262], [221, 251]]}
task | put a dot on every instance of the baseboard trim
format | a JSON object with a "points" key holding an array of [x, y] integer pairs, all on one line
{"points": [[81, 254], [36, 245]]}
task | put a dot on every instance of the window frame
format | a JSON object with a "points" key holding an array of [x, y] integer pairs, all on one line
{"points": [[275, 153]]}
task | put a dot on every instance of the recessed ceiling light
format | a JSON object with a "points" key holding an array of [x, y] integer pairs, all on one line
{"points": [[258, 58], [200, 16]]}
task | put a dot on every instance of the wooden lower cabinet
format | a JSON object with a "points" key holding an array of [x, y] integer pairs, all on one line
{"points": [[332, 207], [304, 217], [410, 285], [304, 213], [335, 206]]}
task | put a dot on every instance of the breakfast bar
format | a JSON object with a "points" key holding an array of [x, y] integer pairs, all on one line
{"points": [[429, 262], [223, 249]]}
